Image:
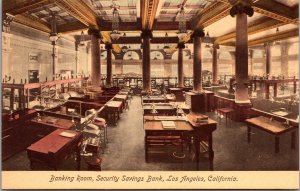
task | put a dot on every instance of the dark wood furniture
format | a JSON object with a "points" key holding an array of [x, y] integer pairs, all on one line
{"points": [[54, 148], [178, 92], [54, 122], [272, 127], [154, 99], [200, 131], [226, 112], [161, 108], [113, 110]]}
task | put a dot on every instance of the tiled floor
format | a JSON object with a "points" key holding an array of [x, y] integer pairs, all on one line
{"points": [[125, 150]]}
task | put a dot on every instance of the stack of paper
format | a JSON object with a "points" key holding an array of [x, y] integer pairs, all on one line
{"points": [[66, 134], [168, 124]]}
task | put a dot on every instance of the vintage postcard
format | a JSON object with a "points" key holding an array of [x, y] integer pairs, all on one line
{"points": [[150, 94]]}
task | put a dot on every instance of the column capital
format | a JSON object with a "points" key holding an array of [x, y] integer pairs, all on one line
{"points": [[146, 33], [216, 46], [108, 46], [198, 33], [268, 44], [181, 45], [95, 32], [240, 7]]}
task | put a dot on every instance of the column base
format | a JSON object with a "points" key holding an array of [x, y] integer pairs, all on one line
{"points": [[241, 111]]}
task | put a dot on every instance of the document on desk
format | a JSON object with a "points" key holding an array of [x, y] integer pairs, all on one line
{"points": [[66, 134], [168, 124]]}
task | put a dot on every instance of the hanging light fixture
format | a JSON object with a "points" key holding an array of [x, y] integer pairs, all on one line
{"points": [[115, 35], [277, 42], [207, 40], [82, 39], [53, 34], [124, 48], [182, 24], [166, 46]]}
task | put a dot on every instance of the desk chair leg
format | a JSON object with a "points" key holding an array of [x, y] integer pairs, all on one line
{"points": [[293, 140]]}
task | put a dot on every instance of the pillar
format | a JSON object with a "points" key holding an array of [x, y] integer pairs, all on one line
{"points": [[95, 57], [251, 62], [268, 58], [146, 36], [181, 46], [284, 49], [77, 42], [241, 10], [197, 64], [108, 48], [215, 64]]}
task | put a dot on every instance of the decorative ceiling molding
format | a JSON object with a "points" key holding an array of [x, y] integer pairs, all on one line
{"points": [[258, 26], [271, 38], [149, 8], [71, 27], [79, 10], [32, 22], [211, 14], [16, 8]]}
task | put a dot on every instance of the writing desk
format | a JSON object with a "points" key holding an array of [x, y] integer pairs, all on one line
{"points": [[122, 98], [273, 127], [153, 99], [114, 108], [54, 148], [200, 132], [55, 122]]}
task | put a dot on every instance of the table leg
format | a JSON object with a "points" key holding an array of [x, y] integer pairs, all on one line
{"points": [[276, 144], [249, 133], [197, 149], [293, 140], [210, 151], [146, 149], [78, 159]]}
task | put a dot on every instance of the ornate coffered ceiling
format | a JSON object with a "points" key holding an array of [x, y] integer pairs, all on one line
{"points": [[161, 16]]}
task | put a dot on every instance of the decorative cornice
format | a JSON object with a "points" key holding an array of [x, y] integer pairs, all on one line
{"points": [[108, 46], [198, 33], [32, 22], [241, 8], [95, 32], [180, 45], [148, 11], [147, 33]]}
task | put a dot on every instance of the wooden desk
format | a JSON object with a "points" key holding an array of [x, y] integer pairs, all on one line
{"points": [[54, 148], [153, 99], [161, 108], [275, 128], [114, 108], [200, 132], [122, 98], [55, 122]]}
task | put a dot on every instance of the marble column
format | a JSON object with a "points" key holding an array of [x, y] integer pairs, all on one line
{"points": [[268, 58], [181, 46], [95, 57], [215, 64], [108, 48], [197, 64], [146, 36], [240, 11]]}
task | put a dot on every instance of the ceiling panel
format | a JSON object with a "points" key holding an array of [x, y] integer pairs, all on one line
{"points": [[289, 3]]}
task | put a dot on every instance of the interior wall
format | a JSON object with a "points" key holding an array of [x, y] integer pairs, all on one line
{"points": [[30, 49]]}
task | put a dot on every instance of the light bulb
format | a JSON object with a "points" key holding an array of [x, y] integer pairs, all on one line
{"points": [[222, 116]]}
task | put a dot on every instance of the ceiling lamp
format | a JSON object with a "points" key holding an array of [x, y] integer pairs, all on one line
{"points": [[207, 40], [182, 25], [115, 35], [82, 39], [53, 34], [166, 48], [277, 42], [124, 48]]}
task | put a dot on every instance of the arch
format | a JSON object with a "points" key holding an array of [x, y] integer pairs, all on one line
{"points": [[104, 55], [131, 55], [186, 55], [156, 55]]}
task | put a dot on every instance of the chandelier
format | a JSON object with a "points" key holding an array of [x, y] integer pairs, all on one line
{"points": [[277, 42], [82, 39], [115, 35], [53, 34], [207, 40], [166, 47], [182, 24]]}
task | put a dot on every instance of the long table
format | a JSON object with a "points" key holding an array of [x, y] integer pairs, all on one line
{"points": [[272, 127], [200, 132], [54, 148], [54, 122]]}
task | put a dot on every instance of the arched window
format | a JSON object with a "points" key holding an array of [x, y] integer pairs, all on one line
{"points": [[186, 55], [275, 51], [104, 55], [156, 55], [294, 49], [131, 55]]}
